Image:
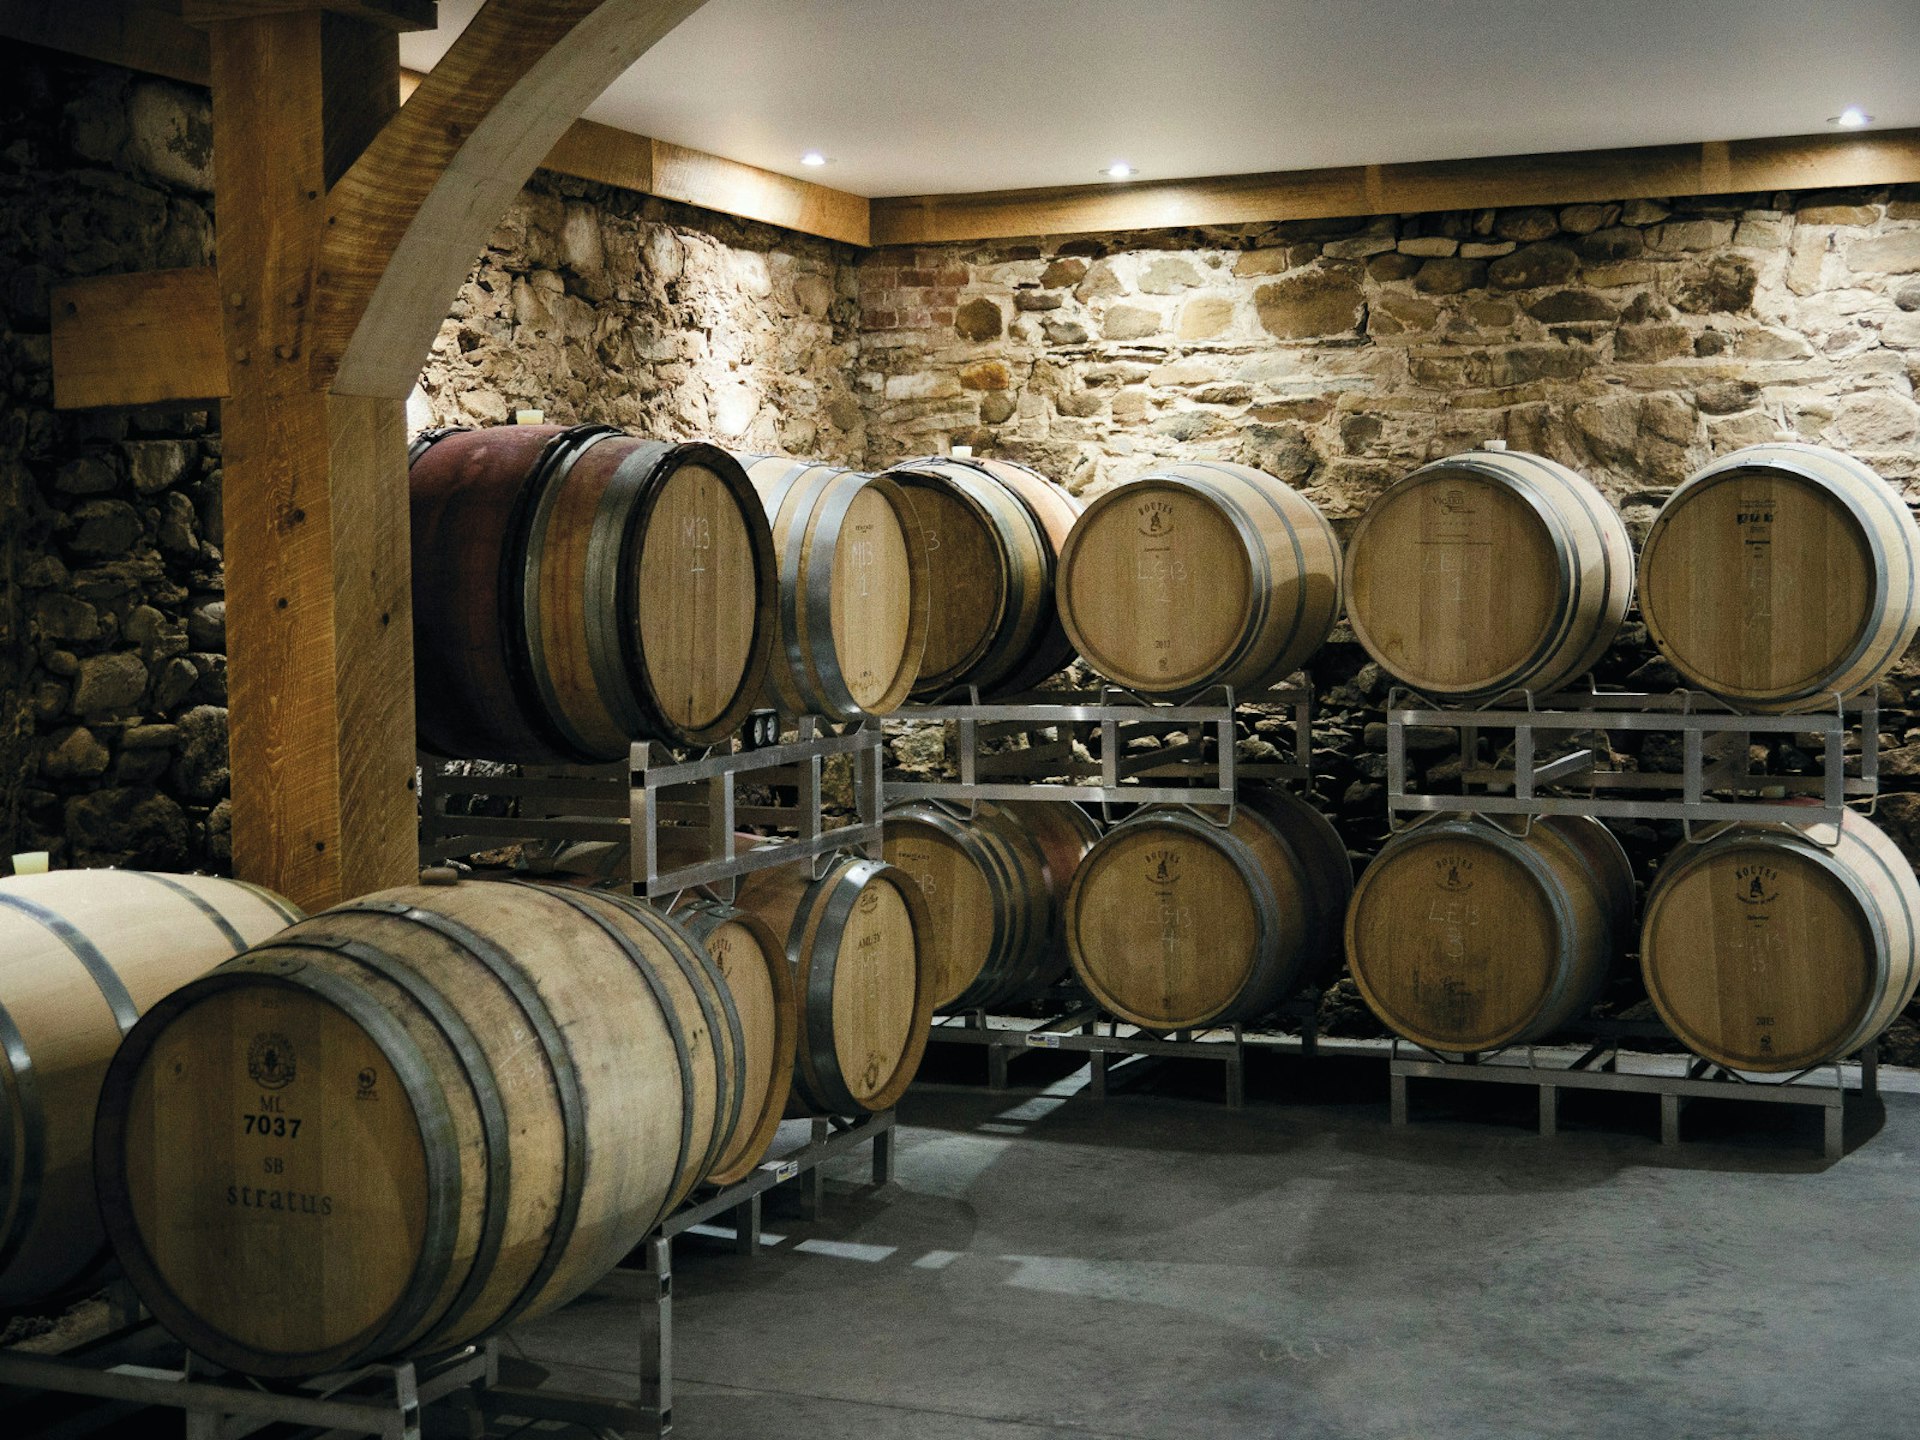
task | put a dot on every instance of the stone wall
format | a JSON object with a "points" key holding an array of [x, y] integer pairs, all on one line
{"points": [[112, 676], [596, 304]]}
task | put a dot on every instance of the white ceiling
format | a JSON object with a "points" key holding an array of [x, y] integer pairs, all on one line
{"points": [[921, 96]]}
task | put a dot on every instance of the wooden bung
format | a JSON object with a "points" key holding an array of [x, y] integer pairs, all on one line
{"points": [[83, 954], [1197, 575], [576, 589], [993, 531], [1464, 936], [1764, 950], [852, 618], [994, 884], [1781, 576], [1175, 921], [858, 940], [1488, 572], [411, 1120]]}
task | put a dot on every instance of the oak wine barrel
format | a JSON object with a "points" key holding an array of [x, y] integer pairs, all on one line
{"points": [[1174, 921], [1489, 572], [411, 1120], [1765, 951], [1781, 575], [83, 953], [994, 531], [1464, 936], [994, 884], [1200, 574], [858, 940], [576, 589], [752, 961], [852, 615]]}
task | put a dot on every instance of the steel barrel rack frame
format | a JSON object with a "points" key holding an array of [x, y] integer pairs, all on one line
{"points": [[623, 805], [1675, 1079], [389, 1400], [1195, 764], [1716, 782]]}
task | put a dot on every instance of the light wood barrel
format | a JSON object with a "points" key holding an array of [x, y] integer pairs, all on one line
{"points": [[1781, 575], [1198, 575], [994, 532], [577, 589], [411, 1120], [1464, 937], [994, 884], [83, 954], [858, 942], [752, 961], [1174, 922], [1765, 951], [1488, 572], [852, 620]]}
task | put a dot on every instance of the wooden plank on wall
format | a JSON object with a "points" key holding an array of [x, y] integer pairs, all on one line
{"points": [[592, 151], [1714, 167], [142, 339], [697, 178]]}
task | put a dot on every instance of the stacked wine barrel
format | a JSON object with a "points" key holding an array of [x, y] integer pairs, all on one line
{"points": [[995, 882], [993, 532], [1199, 575], [576, 589], [1486, 573], [420, 1116], [83, 954]]}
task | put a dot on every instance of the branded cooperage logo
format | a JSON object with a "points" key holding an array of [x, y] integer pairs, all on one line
{"points": [[1453, 501], [1756, 884], [870, 1077], [1755, 510], [1452, 873], [1163, 867], [365, 1081], [869, 901], [270, 1061], [1156, 517]]}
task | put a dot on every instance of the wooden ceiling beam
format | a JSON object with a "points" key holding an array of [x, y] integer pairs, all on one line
{"points": [[397, 15], [1709, 168], [406, 222]]}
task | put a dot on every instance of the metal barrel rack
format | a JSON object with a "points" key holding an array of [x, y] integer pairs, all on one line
{"points": [[622, 806], [1554, 747], [1024, 749], [1081, 747], [1675, 1079], [138, 1366], [1558, 746]]}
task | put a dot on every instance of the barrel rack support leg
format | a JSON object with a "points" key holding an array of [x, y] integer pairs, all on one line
{"points": [[656, 1338], [1836, 1132], [1669, 1119], [1237, 1072], [1397, 1099], [813, 1181], [1097, 1082], [883, 1156], [746, 1226], [1549, 1111]]}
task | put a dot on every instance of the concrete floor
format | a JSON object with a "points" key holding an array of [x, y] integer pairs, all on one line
{"points": [[1160, 1266]]}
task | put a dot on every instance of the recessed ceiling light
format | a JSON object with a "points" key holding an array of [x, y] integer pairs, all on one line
{"points": [[1851, 118], [813, 157], [1119, 170]]}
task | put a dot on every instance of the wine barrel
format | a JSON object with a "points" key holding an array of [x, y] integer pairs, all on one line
{"points": [[994, 884], [1464, 936], [994, 532], [1488, 572], [1198, 575], [1780, 575], [858, 941], [1765, 951], [1174, 921], [576, 589], [852, 617], [83, 953], [411, 1120], [752, 962]]}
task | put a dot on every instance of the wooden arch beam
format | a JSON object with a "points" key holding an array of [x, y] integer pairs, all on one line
{"points": [[407, 219]]}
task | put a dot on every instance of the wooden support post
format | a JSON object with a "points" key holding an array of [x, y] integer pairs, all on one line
{"points": [[319, 596]]}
